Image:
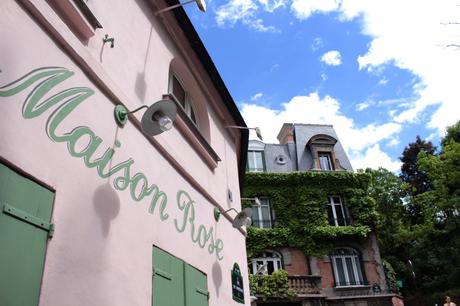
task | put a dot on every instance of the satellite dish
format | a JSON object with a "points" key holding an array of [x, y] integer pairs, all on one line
{"points": [[159, 117], [243, 218], [201, 5]]}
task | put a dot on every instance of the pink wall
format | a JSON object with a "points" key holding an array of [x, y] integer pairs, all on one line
{"points": [[101, 251]]}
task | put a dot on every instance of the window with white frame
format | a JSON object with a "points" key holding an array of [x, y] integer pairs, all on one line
{"points": [[346, 265], [267, 263], [336, 212], [182, 97], [325, 161], [262, 214], [256, 161]]}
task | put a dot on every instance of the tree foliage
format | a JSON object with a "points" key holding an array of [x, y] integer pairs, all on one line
{"points": [[419, 218], [417, 180]]}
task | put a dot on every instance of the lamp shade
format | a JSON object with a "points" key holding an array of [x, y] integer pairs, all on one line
{"points": [[201, 5], [150, 123], [243, 218]]}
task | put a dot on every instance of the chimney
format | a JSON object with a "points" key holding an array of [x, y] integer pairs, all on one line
{"points": [[286, 134]]}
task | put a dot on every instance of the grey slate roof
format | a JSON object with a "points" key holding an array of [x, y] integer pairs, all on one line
{"points": [[296, 156]]}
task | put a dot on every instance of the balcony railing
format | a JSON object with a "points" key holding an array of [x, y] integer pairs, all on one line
{"points": [[262, 223], [305, 284]]}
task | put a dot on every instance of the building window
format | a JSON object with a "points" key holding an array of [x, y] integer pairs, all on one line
{"points": [[262, 215], [325, 161], [267, 263], [182, 97], [256, 161], [336, 212], [347, 267]]}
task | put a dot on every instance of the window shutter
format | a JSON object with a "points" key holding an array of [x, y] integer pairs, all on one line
{"points": [[196, 289], [168, 279], [25, 215]]}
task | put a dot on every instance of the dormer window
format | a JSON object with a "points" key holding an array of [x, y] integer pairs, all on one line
{"points": [[182, 97], [256, 161], [322, 150]]}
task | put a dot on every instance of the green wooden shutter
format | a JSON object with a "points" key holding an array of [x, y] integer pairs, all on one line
{"points": [[168, 279], [196, 288], [25, 213]]}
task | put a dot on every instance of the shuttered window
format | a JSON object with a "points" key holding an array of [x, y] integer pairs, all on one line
{"points": [[25, 214], [176, 282]]}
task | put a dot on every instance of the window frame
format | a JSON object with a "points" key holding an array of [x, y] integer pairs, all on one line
{"points": [[188, 101], [276, 259], [356, 262], [330, 163], [261, 221], [333, 205], [254, 158]]}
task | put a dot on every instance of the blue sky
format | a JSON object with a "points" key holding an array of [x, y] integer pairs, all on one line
{"points": [[381, 72]]}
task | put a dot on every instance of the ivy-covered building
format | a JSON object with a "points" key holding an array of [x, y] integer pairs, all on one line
{"points": [[311, 241]]}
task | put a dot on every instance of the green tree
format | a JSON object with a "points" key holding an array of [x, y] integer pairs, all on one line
{"points": [[388, 191], [435, 249], [417, 181]]}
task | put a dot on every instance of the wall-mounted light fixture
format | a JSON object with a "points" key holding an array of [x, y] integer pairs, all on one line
{"points": [[243, 218], [258, 131], [200, 3], [158, 118]]}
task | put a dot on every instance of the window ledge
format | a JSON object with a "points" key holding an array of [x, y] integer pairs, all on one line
{"points": [[192, 134], [77, 16], [352, 287]]}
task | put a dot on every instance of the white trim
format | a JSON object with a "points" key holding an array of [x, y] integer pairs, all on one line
{"points": [[356, 266], [265, 259], [333, 205], [264, 203], [252, 156]]}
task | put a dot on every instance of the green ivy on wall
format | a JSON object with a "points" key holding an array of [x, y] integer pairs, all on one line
{"points": [[273, 285], [299, 201]]}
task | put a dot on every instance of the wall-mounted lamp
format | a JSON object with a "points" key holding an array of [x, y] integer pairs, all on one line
{"points": [[258, 131], [243, 218], [158, 118], [200, 3]]}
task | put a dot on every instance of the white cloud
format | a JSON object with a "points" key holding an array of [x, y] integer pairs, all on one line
{"points": [[323, 76], [374, 157], [332, 58], [245, 11], [305, 8], [257, 96], [362, 106], [271, 6], [418, 45], [393, 142], [383, 81], [311, 109], [412, 35]]}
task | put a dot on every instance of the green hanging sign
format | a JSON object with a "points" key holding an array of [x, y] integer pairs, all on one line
{"points": [[237, 284]]}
